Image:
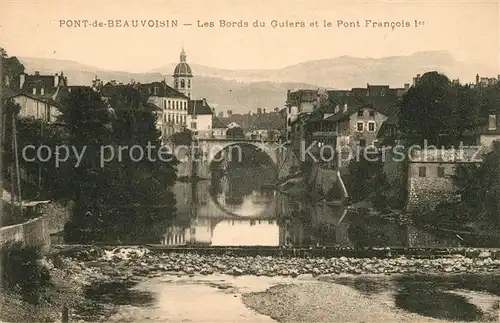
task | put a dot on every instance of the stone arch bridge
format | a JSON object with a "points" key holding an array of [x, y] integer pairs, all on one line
{"points": [[210, 150]]}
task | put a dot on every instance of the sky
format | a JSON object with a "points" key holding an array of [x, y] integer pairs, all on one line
{"points": [[468, 30]]}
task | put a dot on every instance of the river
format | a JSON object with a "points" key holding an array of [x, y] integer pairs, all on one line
{"points": [[236, 209]]}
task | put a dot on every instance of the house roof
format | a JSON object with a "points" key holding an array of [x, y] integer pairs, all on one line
{"points": [[303, 95], [199, 107], [385, 105], [162, 90], [50, 101], [33, 85], [392, 120], [217, 123]]}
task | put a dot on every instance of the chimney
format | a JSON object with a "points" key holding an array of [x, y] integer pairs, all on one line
{"points": [[477, 78], [416, 80], [22, 78], [56, 80], [407, 86], [204, 102], [37, 73]]}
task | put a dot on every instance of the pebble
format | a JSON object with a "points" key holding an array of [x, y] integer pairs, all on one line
{"points": [[143, 263]]}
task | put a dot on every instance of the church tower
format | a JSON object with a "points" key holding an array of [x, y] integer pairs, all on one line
{"points": [[183, 77]]}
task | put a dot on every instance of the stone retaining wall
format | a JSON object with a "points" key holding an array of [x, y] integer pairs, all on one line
{"points": [[33, 233], [36, 232]]}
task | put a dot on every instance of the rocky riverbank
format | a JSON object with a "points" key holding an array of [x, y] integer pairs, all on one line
{"points": [[93, 282], [129, 262], [324, 302]]}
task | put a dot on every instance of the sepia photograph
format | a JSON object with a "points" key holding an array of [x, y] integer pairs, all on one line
{"points": [[249, 161]]}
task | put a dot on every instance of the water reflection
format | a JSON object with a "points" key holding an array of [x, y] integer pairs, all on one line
{"points": [[467, 297], [234, 209]]}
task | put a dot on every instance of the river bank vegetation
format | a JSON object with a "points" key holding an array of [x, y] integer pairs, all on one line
{"points": [[442, 113]]}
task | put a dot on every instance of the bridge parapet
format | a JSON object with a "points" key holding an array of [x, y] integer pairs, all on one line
{"points": [[210, 148]]}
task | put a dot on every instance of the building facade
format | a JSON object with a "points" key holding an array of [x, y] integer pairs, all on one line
{"points": [[39, 96], [297, 103], [172, 103], [199, 118]]}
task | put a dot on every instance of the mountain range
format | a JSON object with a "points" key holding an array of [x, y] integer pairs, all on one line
{"points": [[246, 90]]}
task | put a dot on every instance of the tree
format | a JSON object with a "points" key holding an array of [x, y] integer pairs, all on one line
{"points": [[467, 116], [127, 197], [364, 174], [438, 111], [36, 133], [11, 68], [478, 186]]}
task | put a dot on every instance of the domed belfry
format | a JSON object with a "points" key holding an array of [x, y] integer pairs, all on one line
{"points": [[183, 77]]}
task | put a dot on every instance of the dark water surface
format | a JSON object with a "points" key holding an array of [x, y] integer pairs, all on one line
{"points": [[466, 298], [235, 209]]}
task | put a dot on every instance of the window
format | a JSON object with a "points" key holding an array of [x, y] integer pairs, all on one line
{"points": [[371, 126], [169, 104], [372, 113], [382, 92], [422, 171], [360, 113], [185, 105], [440, 171], [176, 84], [362, 142], [193, 125], [492, 122], [183, 84], [360, 126], [34, 91], [42, 91], [189, 84]]}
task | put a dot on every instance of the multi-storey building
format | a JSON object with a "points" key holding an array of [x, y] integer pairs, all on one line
{"points": [[172, 103], [38, 95]]}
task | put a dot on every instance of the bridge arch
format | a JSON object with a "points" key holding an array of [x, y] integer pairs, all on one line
{"points": [[212, 152]]}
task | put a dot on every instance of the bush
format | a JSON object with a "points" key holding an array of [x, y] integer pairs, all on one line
{"points": [[23, 272], [373, 231]]}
